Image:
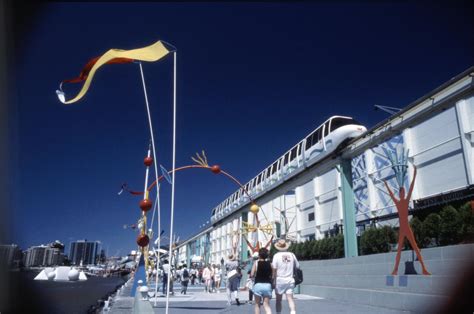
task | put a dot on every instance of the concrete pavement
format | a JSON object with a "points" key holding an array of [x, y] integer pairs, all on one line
{"points": [[198, 301]]}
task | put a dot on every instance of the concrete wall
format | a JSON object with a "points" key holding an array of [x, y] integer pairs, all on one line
{"points": [[367, 280]]}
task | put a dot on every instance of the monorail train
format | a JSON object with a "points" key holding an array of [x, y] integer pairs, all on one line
{"points": [[329, 136], [320, 143]]}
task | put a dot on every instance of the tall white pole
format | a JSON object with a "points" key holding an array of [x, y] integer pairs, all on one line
{"points": [[155, 163], [172, 181], [157, 252]]}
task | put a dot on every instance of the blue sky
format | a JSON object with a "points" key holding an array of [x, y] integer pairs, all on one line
{"points": [[253, 79]]}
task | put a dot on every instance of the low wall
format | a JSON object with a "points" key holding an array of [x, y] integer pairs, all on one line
{"points": [[368, 280]]}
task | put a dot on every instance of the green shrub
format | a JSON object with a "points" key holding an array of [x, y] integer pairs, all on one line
{"points": [[450, 229], [307, 249], [338, 246], [302, 252], [290, 249], [377, 240], [299, 250], [466, 216], [325, 248], [432, 228], [316, 249], [417, 228]]}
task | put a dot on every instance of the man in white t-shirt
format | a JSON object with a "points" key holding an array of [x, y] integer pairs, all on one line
{"points": [[166, 272], [283, 264]]}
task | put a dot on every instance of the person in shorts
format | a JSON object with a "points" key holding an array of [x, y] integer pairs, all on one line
{"points": [[233, 282], [184, 279], [283, 264], [262, 289], [207, 276]]}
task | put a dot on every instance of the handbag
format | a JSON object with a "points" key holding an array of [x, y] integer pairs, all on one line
{"points": [[297, 273], [232, 273]]}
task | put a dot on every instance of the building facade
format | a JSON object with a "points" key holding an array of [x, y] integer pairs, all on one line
{"points": [[43, 255], [84, 252], [34, 256], [345, 192], [10, 255]]}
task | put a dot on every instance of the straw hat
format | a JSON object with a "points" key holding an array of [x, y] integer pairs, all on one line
{"points": [[281, 245]]}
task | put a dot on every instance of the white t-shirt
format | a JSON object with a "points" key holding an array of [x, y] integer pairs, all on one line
{"points": [[206, 273], [283, 263], [166, 268], [217, 274]]}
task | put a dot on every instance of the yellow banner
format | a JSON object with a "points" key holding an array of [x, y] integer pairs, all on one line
{"points": [[151, 53]]}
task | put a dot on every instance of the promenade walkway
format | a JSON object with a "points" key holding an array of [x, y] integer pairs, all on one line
{"points": [[198, 301]]}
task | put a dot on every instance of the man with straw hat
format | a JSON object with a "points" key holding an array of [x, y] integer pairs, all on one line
{"points": [[283, 264]]}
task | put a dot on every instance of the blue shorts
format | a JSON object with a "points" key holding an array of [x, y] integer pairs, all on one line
{"points": [[263, 290]]}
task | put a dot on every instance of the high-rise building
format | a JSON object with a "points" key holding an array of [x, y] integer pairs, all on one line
{"points": [[8, 254], [84, 251], [44, 255], [35, 256], [53, 256], [102, 258]]}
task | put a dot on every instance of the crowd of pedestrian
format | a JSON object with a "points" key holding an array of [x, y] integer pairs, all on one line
{"points": [[264, 277]]}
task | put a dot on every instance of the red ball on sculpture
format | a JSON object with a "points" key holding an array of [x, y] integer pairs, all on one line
{"points": [[146, 204], [148, 161], [216, 169], [143, 240]]}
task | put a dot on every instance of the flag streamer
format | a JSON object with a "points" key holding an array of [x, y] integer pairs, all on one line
{"points": [[150, 53]]}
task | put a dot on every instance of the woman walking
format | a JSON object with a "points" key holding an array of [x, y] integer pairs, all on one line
{"points": [[217, 277], [262, 289], [233, 279], [207, 276]]}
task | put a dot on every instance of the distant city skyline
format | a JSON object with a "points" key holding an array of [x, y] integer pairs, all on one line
{"points": [[253, 80]]}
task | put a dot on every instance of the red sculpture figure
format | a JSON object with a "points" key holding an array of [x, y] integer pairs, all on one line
{"points": [[405, 230]]}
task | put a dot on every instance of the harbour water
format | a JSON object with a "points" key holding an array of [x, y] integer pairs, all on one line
{"points": [[33, 296]]}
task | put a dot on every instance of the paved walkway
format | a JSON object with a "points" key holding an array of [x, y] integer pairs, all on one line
{"points": [[197, 301]]}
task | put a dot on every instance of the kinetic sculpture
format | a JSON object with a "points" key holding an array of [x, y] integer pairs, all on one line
{"points": [[114, 56], [151, 53], [285, 222], [202, 163], [266, 229], [146, 204], [400, 166]]}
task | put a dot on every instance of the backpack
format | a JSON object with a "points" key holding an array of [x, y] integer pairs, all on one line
{"points": [[297, 273], [185, 273]]}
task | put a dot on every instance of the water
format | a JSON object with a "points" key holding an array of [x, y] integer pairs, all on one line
{"points": [[37, 296]]}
